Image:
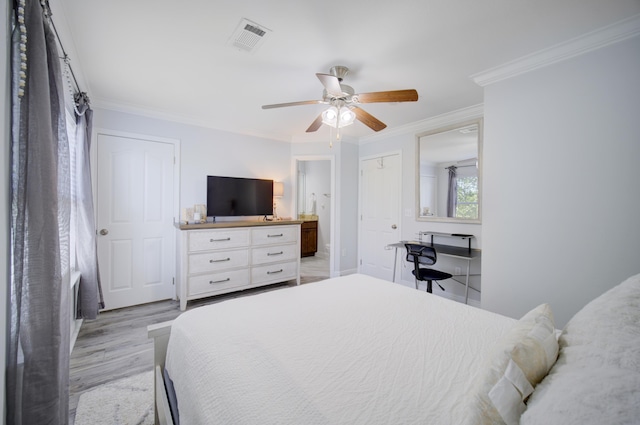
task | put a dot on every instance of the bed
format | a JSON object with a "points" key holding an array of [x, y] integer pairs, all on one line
{"points": [[359, 350]]}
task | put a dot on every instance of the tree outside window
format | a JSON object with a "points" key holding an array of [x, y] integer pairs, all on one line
{"points": [[467, 197]]}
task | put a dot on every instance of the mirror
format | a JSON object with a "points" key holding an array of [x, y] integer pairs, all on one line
{"points": [[449, 165]]}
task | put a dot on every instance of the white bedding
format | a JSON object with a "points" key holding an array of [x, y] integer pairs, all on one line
{"points": [[596, 379], [349, 350]]}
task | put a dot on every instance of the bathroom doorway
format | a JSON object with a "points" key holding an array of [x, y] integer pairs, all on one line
{"points": [[315, 205]]}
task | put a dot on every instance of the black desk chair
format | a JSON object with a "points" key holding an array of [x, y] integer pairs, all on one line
{"points": [[425, 255]]}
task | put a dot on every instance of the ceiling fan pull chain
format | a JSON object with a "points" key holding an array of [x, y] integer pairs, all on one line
{"points": [[338, 123], [330, 138]]}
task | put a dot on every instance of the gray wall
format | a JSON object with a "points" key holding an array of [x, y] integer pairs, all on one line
{"points": [[347, 194], [561, 199]]}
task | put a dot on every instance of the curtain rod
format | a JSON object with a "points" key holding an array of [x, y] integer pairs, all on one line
{"points": [[459, 166], [65, 57]]}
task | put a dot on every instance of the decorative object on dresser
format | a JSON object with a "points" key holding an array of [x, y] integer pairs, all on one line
{"points": [[278, 192], [216, 258]]}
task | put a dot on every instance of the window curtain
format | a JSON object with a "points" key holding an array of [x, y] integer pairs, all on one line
{"points": [[90, 298], [452, 193], [38, 347]]}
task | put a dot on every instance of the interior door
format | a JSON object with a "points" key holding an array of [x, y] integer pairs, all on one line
{"points": [[379, 214], [136, 239]]}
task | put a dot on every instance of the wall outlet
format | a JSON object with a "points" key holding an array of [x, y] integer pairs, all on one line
{"points": [[458, 271], [344, 252]]}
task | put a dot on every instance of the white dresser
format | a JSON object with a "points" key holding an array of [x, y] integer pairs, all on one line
{"points": [[217, 258]]}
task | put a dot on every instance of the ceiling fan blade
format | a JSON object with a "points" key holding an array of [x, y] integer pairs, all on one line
{"points": [[368, 119], [331, 84], [387, 96], [315, 125], [303, 102]]}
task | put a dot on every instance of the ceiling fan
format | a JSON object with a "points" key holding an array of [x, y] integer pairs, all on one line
{"points": [[344, 102]]}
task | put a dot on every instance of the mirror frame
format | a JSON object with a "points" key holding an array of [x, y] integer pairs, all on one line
{"points": [[479, 123]]}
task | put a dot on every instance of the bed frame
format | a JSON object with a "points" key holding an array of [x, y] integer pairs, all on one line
{"points": [[160, 333]]}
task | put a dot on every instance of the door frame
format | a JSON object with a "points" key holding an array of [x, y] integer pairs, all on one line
{"points": [[334, 244], [400, 192], [176, 177]]}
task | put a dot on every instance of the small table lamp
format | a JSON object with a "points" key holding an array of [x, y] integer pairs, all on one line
{"points": [[278, 192]]}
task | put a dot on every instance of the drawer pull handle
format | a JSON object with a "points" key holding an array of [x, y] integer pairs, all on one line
{"points": [[211, 282], [276, 272], [220, 240], [275, 236], [220, 261], [275, 253]]}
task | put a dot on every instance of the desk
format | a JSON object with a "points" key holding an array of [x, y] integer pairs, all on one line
{"points": [[467, 254]]}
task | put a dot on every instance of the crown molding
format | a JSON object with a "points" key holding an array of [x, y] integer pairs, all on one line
{"points": [[449, 118], [619, 31]]}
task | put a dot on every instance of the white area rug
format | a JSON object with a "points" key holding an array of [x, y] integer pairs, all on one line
{"points": [[128, 401]]}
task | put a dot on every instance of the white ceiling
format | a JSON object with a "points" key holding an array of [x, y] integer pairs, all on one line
{"points": [[171, 59]]}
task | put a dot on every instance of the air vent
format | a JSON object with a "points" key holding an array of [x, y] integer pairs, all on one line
{"points": [[248, 36]]}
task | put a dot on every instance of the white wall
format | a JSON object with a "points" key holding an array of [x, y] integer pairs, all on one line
{"points": [[205, 151], [562, 166]]}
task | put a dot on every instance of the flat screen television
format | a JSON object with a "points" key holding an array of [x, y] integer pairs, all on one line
{"points": [[236, 196]]}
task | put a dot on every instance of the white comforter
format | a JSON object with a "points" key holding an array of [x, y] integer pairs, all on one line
{"points": [[350, 350]]}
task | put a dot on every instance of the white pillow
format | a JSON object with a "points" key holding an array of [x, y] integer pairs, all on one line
{"points": [[596, 379], [521, 359]]}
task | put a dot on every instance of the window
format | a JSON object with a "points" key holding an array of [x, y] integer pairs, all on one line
{"points": [[467, 197], [73, 229]]}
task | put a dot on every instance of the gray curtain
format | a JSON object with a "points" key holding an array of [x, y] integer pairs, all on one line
{"points": [[38, 346], [90, 298], [452, 193]]}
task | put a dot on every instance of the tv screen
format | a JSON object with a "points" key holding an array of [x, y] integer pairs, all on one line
{"points": [[235, 196]]}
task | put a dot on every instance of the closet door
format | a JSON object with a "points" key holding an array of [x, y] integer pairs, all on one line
{"points": [[136, 241], [379, 214]]}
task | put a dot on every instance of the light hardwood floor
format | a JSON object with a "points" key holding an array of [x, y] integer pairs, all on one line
{"points": [[115, 345]]}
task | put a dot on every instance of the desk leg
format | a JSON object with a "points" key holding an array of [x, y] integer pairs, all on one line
{"points": [[466, 292], [395, 262]]}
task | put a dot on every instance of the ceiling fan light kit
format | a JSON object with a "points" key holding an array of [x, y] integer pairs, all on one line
{"points": [[338, 117], [344, 103]]}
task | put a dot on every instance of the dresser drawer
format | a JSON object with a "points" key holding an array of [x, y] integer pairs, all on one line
{"points": [[270, 254], [218, 239], [274, 272], [217, 282], [218, 260], [274, 235]]}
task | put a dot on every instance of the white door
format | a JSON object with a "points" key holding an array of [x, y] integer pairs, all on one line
{"points": [[379, 214], [136, 239]]}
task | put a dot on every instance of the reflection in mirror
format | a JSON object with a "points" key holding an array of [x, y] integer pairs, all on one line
{"points": [[449, 182]]}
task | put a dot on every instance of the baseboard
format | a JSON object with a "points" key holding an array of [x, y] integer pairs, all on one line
{"points": [[76, 325], [347, 272]]}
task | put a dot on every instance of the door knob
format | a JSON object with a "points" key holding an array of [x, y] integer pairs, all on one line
{"points": [[394, 227], [104, 232]]}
